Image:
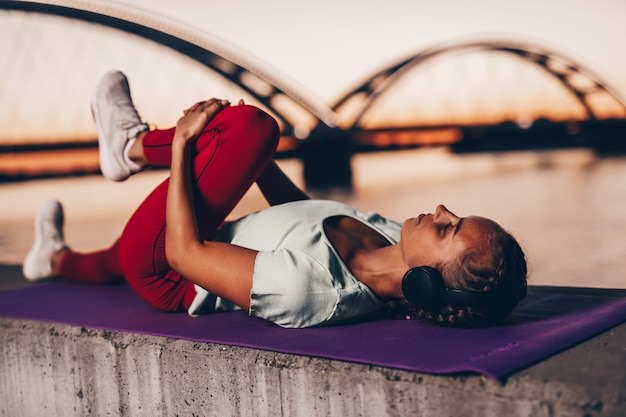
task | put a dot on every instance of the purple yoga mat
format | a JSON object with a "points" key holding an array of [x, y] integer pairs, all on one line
{"points": [[545, 323]]}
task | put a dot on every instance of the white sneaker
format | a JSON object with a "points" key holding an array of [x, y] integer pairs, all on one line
{"points": [[48, 240], [118, 124]]}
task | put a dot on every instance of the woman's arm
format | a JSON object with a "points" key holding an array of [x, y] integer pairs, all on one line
{"points": [[277, 188], [221, 268]]}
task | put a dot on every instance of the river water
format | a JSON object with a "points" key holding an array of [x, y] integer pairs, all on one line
{"points": [[567, 208]]}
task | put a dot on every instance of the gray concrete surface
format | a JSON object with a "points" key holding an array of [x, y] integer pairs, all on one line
{"points": [[58, 370]]}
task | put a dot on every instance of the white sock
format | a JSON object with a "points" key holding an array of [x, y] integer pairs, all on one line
{"points": [[134, 167]]}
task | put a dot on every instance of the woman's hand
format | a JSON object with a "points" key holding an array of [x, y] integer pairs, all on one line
{"points": [[196, 118]]}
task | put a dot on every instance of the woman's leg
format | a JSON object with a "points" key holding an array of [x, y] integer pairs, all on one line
{"points": [[49, 256], [229, 156], [99, 267]]}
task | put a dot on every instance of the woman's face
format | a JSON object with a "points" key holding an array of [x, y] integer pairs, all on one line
{"points": [[434, 239]]}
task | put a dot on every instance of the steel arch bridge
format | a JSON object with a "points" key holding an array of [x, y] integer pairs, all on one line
{"points": [[562, 68], [247, 73], [254, 77], [327, 151]]}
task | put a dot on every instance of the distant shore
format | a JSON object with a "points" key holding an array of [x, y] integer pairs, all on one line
{"points": [[48, 164]]}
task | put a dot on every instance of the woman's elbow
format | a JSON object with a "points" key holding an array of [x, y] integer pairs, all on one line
{"points": [[174, 253], [170, 254]]}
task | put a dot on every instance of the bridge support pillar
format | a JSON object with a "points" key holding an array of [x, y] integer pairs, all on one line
{"points": [[326, 156]]}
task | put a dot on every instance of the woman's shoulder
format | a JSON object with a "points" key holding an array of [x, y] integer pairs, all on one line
{"points": [[308, 214], [309, 209], [324, 209]]}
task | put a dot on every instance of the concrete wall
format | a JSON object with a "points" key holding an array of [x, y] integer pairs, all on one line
{"points": [[48, 369]]}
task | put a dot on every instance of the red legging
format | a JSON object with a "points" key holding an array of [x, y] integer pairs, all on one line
{"points": [[230, 154]]}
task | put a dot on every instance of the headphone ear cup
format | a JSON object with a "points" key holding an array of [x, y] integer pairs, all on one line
{"points": [[423, 287]]}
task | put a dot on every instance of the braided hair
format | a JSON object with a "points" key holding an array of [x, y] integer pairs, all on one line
{"points": [[497, 265]]}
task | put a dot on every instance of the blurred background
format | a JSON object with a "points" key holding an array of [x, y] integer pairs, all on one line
{"points": [[510, 111]]}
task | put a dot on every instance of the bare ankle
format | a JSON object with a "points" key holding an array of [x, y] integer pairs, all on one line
{"points": [[135, 153], [55, 261]]}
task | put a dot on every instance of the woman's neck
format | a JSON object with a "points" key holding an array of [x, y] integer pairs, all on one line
{"points": [[381, 270], [368, 254]]}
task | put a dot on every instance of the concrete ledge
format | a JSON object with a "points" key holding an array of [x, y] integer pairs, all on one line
{"points": [[60, 370]]}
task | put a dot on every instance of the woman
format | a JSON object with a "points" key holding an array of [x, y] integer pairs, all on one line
{"points": [[298, 263]]}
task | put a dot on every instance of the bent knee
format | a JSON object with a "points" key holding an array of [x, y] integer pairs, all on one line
{"points": [[257, 128]]}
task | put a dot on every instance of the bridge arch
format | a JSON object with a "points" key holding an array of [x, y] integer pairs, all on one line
{"points": [[266, 85], [556, 65]]}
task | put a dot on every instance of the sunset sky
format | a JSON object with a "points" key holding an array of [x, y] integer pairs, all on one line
{"points": [[326, 46], [329, 45]]}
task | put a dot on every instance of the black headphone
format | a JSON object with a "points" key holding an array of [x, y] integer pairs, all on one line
{"points": [[423, 287]]}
